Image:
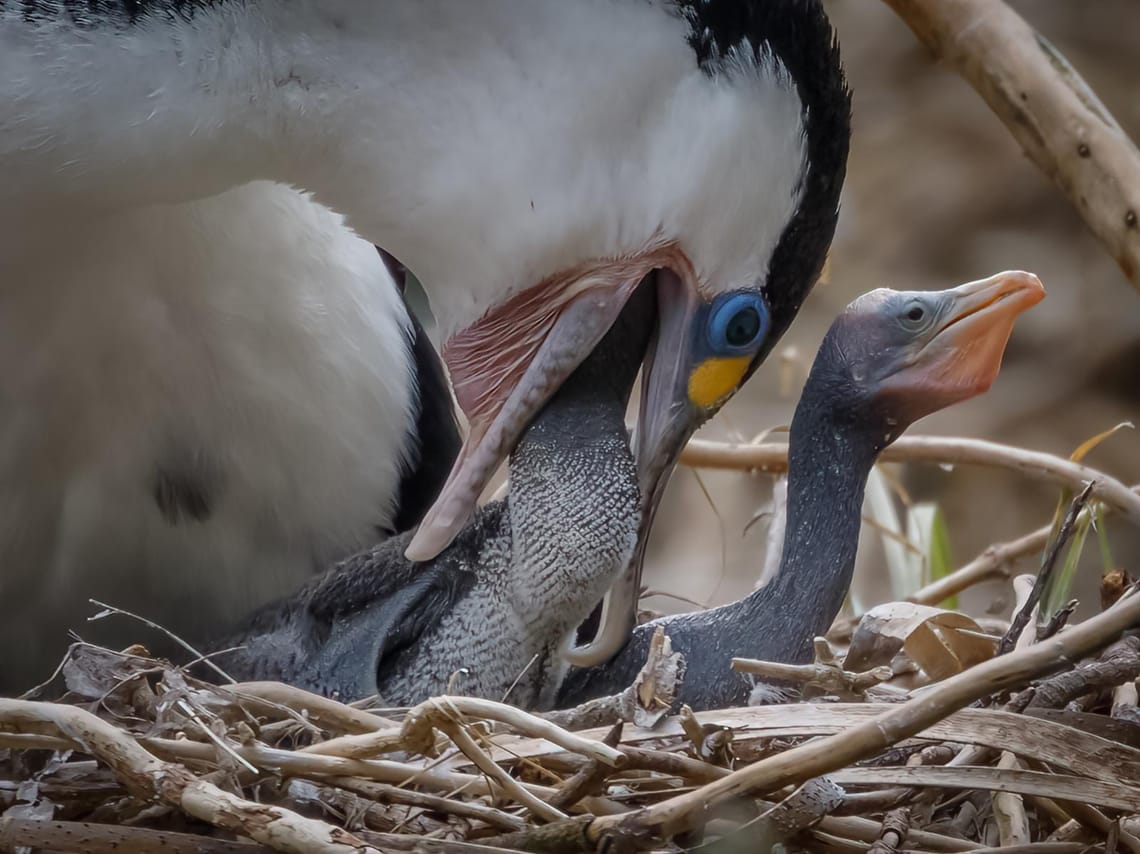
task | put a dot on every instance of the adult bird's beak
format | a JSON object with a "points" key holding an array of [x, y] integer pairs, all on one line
{"points": [[678, 393], [962, 356], [508, 364]]}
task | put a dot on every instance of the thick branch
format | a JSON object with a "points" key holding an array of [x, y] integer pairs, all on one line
{"points": [[1054, 115]]}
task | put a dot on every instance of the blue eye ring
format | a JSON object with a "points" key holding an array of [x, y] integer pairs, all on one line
{"points": [[738, 323]]}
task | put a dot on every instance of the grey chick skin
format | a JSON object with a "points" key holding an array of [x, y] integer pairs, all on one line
{"points": [[891, 358], [487, 616]]}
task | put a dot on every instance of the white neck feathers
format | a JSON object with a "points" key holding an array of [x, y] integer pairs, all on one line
{"points": [[487, 144]]}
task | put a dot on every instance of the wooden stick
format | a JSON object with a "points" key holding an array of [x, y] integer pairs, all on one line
{"points": [[150, 779], [1009, 808], [509, 784], [420, 720], [1007, 777], [829, 677], [824, 755], [328, 713], [84, 837], [1037, 465], [388, 793], [297, 764], [1058, 120]]}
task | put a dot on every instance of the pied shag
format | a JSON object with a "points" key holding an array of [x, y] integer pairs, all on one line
{"points": [[531, 163]]}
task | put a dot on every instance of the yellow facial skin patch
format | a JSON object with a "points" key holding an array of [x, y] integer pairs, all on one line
{"points": [[715, 379]]}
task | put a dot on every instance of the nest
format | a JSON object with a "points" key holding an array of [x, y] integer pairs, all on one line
{"points": [[138, 756], [915, 729]]}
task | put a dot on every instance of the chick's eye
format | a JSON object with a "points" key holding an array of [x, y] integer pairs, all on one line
{"points": [[915, 315], [739, 322]]}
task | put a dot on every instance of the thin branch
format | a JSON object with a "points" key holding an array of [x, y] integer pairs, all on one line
{"points": [[437, 803], [1037, 465], [111, 609], [328, 713], [1009, 809], [1005, 778], [896, 826], [296, 764], [994, 562], [831, 678], [420, 720], [509, 784], [86, 837]]}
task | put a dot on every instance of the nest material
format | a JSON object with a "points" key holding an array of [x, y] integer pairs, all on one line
{"points": [[138, 756]]}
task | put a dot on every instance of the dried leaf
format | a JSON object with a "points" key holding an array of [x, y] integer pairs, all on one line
{"points": [[93, 672], [656, 685], [1089, 444], [932, 637]]}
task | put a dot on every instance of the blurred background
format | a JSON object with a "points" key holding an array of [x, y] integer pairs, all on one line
{"points": [[939, 193]]}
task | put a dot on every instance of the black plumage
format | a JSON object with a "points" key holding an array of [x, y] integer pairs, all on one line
{"points": [[436, 441]]}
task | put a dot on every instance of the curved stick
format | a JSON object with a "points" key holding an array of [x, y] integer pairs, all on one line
{"points": [[773, 459]]}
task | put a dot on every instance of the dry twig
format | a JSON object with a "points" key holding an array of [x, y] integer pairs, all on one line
{"points": [[151, 779], [1021, 618], [772, 458]]}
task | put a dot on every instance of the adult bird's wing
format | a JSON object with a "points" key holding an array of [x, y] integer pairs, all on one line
{"points": [[435, 444]]}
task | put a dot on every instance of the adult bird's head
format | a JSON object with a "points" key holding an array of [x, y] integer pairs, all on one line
{"points": [[712, 163]]}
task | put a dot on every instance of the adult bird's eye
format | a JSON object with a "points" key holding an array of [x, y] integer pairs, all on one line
{"points": [[738, 323]]}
